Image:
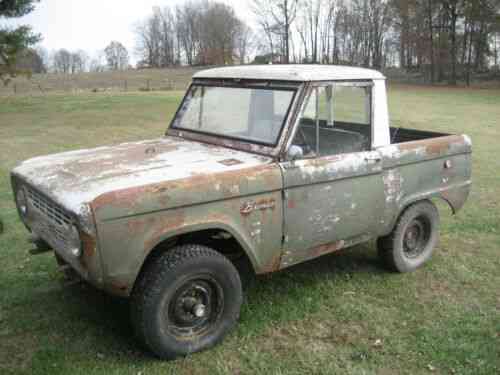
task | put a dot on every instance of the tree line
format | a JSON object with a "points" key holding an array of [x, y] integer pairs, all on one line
{"points": [[114, 57], [443, 40]]}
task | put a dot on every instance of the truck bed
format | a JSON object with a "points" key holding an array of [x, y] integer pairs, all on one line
{"points": [[398, 135]]}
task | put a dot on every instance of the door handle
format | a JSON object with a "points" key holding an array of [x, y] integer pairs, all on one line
{"points": [[373, 158]]}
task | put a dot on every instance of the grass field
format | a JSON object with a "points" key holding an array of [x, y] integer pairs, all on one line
{"points": [[342, 313]]}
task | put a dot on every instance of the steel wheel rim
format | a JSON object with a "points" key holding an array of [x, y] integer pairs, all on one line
{"points": [[195, 306], [416, 237]]}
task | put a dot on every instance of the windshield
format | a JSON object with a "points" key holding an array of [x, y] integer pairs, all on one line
{"points": [[251, 114]]}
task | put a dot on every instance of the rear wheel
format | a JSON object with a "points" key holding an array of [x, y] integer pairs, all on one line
{"points": [[413, 239], [186, 300]]}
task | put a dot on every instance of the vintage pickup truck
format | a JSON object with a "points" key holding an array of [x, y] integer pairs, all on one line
{"points": [[272, 165]]}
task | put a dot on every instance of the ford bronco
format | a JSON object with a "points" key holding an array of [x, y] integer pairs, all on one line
{"points": [[274, 165]]}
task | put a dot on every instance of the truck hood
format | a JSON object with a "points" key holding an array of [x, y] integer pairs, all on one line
{"points": [[76, 178]]}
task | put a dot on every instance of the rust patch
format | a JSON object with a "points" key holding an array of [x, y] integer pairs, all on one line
{"points": [[164, 225], [121, 155], [437, 146], [326, 249], [321, 162], [433, 146], [88, 245], [229, 183], [230, 162], [89, 248], [118, 198], [273, 265]]}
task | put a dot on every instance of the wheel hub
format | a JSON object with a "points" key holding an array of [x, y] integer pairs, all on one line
{"points": [[195, 305], [415, 238], [199, 310]]}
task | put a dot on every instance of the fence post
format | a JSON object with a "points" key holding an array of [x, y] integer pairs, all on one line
{"points": [[148, 85], [125, 85], [15, 88]]}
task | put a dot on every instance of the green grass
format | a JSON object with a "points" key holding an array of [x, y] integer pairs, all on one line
{"points": [[340, 314]]}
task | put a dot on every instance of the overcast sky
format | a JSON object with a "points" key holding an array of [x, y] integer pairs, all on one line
{"points": [[91, 24]]}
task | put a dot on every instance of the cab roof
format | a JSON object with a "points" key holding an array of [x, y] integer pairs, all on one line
{"points": [[290, 72]]}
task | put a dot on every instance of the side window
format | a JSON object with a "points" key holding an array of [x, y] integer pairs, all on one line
{"points": [[335, 120], [352, 105]]}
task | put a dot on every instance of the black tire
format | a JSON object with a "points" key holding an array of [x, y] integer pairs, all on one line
{"points": [[185, 300], [413, 239]]}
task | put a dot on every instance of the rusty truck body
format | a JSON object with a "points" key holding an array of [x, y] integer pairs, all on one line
{"points": [[272, 164]]}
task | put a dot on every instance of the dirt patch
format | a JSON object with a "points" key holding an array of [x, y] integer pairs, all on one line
{"points": [[319, 336], [16, 351]]}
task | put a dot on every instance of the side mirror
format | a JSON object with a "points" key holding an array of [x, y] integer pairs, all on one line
{"points": [[295, 152]]}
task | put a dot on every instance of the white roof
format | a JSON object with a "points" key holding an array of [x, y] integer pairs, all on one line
{"points": [[291, 72]]}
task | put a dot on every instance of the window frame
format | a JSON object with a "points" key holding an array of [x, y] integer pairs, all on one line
{"points": [[310, 91], [251, 85]]}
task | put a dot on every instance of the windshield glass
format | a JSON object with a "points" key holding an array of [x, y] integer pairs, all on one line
{"points": [[251, 114]]}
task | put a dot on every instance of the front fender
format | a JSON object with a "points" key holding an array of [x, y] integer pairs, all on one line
{"points": [[127, 242]]}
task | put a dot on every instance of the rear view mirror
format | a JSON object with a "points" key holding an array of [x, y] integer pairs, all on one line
{"points": [[295, 152]]}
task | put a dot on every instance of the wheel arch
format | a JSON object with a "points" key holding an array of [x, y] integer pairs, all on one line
{"points": [[200, 234]]}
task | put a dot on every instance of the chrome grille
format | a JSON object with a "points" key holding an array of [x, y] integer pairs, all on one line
{"points": [[51, 222], [47, 208]]}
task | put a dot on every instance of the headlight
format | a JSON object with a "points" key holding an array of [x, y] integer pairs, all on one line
{"points": [[76, 246], [22, 202]]}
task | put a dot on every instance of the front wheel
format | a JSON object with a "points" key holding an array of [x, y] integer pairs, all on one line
{"points": [[186, 300], [413, 239]]}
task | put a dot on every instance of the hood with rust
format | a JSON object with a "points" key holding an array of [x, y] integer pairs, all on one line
{"points": [[138, 177]]}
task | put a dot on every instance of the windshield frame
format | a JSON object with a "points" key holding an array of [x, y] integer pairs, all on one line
{"points": [[231, 141]]}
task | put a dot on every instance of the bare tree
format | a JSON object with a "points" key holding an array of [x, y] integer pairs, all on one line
{"points": [[116, 56], [199, 32], [276, 19], [62, 61], [244, 42], [452, 9], [44, 56], [79, 61], [98, 63], [188, 20], [218, 34], [157, 44]]}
